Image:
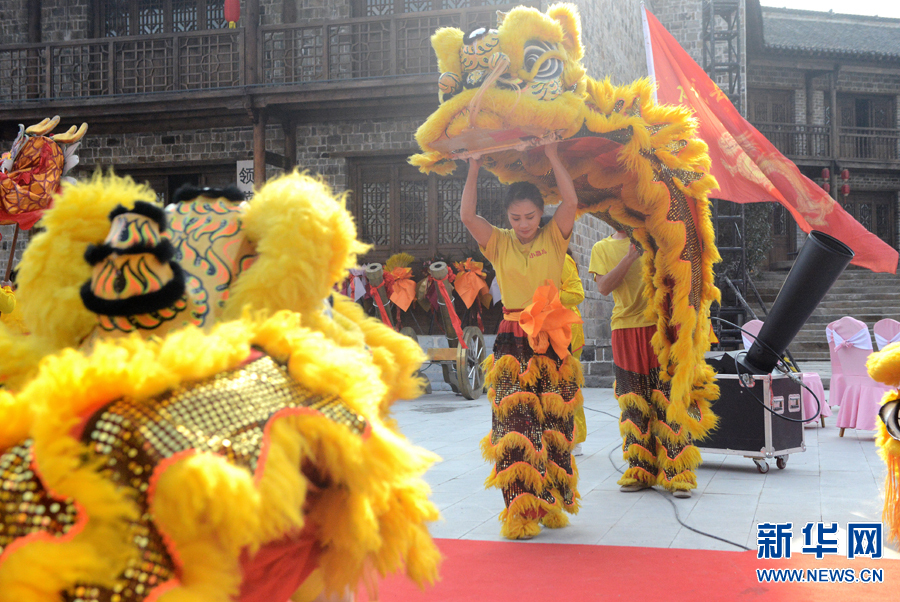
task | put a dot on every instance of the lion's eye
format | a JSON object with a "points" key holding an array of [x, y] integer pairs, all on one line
{"points": [[549, 69]]}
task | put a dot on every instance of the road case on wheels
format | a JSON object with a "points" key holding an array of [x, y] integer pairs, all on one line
{"points": [[748, 429]]}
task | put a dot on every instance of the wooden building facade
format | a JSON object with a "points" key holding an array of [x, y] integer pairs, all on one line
{"points": [[825, 88]]}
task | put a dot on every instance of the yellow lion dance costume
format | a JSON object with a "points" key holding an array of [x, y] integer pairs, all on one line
{"points": [[884, 366], [637, 165], [218, 429]]}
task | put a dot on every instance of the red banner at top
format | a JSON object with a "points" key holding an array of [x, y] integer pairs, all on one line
{"points": [[748, 168]]}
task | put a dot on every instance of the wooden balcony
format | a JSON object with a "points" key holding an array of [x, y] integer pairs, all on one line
{"points": [[812, 143], [122, 65], [326, 51]]}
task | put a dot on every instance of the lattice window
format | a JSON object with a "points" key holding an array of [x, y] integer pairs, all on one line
{"points": [[417, 6], [151, 17], [378, 8], [450, 229], [215, 15], [865, 215], [116, 17], [771, 106], [884, 223], [184, 15], [399, 209], [490, 201], [779, 220], [375, 215], [413, 204]]}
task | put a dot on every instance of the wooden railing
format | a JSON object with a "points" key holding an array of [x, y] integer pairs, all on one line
{"points": [[878, 144], [288, 54], [798, 141], [122, 65], [356, 48]]}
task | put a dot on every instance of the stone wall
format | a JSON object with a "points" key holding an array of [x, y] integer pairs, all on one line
{"points": [[684, 20], [13, 22], [613, 35], [63, 20], [6, 237]]}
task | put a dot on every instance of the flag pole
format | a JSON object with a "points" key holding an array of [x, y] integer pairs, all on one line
{"points": [[648, 48]]}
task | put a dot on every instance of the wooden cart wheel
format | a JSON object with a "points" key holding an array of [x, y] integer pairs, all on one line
{"points": [[470, 376], [409, 332]]}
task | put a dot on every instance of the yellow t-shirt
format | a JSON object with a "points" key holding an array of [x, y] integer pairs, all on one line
{"points": [[571, 293], [522, 268], [629, 298]]}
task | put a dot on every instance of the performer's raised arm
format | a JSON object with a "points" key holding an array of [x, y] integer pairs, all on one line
{"points": [[607, 283], [565, 213], [478, 227]]}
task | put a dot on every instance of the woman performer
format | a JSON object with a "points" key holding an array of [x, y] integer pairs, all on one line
{"points": [[571, 293], [534, 386]]}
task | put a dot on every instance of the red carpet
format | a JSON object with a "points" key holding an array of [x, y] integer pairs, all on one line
{"points": [[508, 572]]}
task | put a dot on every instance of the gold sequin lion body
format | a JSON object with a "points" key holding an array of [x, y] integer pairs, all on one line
{"points": [[637, 165], [245, 455]]}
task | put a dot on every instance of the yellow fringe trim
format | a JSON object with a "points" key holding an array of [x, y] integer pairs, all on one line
{"points": [[688, 460], [683, 480], [555, 520], [553, 403], [512, 401], [513, 440], [633, 400], [636, 451], [628, 427], [520, 471], [636, 474]]}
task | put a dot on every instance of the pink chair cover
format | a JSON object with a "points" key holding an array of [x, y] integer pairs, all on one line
{"points": [[810, 379], [861, 397], [750, 328], [836, 387], [886, 331], [814, 382]]}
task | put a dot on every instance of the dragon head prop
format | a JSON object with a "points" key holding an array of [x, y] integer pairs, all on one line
{"points": [[32, 170], [635, 164]]}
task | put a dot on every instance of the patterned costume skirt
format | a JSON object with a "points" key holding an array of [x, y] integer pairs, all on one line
{"points": [[533, 398], [658, 450]]}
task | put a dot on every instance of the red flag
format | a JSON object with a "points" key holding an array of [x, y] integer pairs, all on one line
{"points": [[747, 166]]}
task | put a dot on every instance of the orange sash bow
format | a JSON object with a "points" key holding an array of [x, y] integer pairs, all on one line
{"points": [[403, 288], [547, 322], [470, 281]]}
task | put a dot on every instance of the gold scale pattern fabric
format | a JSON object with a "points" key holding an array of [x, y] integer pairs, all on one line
{"points": [[225, 414]]}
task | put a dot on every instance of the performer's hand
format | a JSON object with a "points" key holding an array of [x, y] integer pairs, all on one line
{"points": [[474, 163], [633, 252]]}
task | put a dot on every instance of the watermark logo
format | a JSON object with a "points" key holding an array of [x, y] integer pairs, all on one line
{"points": [[865, 539], [774, 540], [825, 537]]}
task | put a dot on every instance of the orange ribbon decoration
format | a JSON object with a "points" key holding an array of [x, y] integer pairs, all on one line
{"points": [[470, 280], [403, 288], [547, 322], [448, 303], [384, 316]]}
